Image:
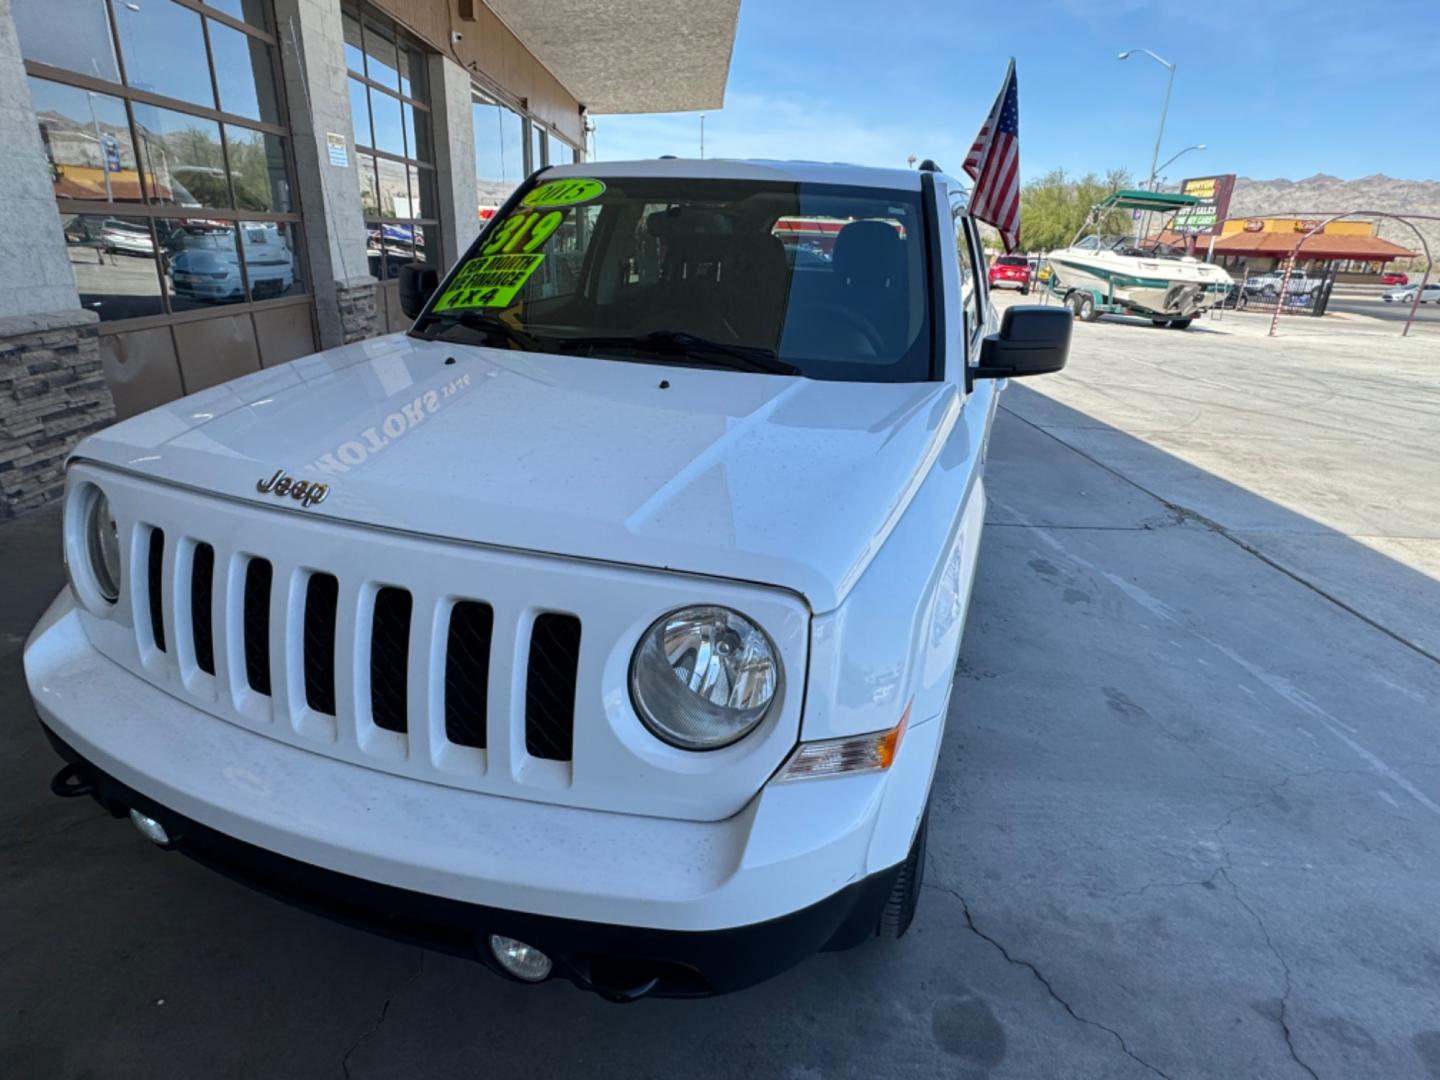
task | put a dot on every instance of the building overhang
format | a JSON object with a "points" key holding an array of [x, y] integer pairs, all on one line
{"points": [[1279, 245], [630, 56]]}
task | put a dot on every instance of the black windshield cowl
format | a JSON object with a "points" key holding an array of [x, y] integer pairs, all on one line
{"points": [[672, 344], [479, 321]]}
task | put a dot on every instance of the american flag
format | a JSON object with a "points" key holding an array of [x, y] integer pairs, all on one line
{"points": [[994, 164]]}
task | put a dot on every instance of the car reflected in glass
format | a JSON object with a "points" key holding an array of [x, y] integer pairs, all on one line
{"points": [[204, 262]]}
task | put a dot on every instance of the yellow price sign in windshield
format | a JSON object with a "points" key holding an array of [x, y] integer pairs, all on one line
{"points": [[489, 281], [563, 193]]}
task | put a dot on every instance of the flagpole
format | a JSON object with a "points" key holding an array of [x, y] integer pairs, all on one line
{"points": [[994, 164]]}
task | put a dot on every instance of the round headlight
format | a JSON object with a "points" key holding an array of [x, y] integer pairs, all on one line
{"points": [[703, 677], [102, 545]]}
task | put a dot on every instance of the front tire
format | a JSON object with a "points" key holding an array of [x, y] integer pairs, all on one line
{"points": [[1180, 324], [904, 897], [1085, 309]]}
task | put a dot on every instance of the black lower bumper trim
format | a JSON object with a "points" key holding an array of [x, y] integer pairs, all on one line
{"points": [[619, 962]]}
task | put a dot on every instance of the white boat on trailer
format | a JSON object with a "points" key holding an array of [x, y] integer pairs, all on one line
{"points": [[1102, 273]]}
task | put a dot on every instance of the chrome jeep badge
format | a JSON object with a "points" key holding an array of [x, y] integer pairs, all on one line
{"points": [[308, 492]]}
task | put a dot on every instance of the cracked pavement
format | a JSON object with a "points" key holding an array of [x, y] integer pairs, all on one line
{"points": [[1186, 820]]}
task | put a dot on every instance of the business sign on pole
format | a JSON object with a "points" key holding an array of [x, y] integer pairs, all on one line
{"points": [[110, 147], [1205, 217]]}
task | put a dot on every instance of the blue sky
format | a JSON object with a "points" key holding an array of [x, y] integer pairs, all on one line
{"points": [[1274, 88]]}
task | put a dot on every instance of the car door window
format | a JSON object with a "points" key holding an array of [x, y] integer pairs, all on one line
{"points": [[972, 274]]}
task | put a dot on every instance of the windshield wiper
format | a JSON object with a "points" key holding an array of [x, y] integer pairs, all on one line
{"points": [[678, 343], [482, 323]]}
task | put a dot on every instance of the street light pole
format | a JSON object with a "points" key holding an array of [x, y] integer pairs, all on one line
{"points": [[1164, 109], [1159, 135], [702, 136], [1197, 146]]}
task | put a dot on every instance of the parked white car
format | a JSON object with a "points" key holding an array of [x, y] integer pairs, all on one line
{"points": [[1405, 294], [204, 264], [1269, 283], [605, 622], [125, 238]]}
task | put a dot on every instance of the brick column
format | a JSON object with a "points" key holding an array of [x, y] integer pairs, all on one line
{"points": [[358, 307], [52, 392], [312, 48]]}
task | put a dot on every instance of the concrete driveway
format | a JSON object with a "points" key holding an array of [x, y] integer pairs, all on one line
{"points": [[1186, 824]]}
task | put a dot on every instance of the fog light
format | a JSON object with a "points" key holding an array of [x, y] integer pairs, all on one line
{"points": [[150, 828], [525, 962]]}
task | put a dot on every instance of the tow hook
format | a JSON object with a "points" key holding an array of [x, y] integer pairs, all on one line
{"points": [[621, 981], [71, 783], [625, 997]]}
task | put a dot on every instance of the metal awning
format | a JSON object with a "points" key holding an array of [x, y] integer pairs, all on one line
{"points": [[1161, 201], [1279, 245], [630, 56]]}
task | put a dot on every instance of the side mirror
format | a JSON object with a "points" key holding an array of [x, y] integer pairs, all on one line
{"points": [[1033, 340], [417, 282]]}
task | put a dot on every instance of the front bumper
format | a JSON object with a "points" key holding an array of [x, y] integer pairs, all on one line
{"points": [[621, 963], [713, 906]]}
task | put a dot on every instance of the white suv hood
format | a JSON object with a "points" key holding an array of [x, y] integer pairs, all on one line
{"points": [[770, 479]]}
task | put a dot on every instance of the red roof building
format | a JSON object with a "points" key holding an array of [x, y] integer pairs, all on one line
{"points": [[1261, 243]]}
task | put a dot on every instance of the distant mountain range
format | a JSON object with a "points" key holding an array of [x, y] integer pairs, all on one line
{"points": [[1318, 195]]}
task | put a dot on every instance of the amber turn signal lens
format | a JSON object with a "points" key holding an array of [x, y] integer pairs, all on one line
{"points": [[872, 752]]}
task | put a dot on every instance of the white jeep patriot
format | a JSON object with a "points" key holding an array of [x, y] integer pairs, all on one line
{"points": [[600, 626]]}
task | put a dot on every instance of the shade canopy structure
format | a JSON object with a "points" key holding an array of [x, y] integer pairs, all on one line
{"points": [[1156, 201]]}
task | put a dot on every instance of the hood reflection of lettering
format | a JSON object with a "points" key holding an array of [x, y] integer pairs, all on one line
{"points": [[395, 426]]}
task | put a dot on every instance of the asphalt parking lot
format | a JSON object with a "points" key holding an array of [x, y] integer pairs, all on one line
{"points": [[1186, 821]]}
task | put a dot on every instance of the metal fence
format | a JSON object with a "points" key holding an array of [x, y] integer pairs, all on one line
{"points": [[1302, 292]]}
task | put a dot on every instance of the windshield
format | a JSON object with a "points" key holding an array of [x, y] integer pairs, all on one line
{"points": [[1152, 248], [822, 281], [1012, 260]]}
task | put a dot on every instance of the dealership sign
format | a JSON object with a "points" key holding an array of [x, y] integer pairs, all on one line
{"points": [[1205, 217]]}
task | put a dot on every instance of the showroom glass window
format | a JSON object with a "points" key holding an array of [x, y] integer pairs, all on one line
{"points": [[561, 153], [499, 150], [390, 108], [164, 130]]}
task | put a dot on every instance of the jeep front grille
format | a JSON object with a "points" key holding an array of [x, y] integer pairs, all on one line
{"points": [[256, 624], [485, 669], [202, 571], [383, 637], [155, 586], [467, 673], [550, 686], [389, 658], [322, 594]]}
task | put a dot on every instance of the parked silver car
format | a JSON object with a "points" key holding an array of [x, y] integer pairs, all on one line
{"points": [[125, 238], [1405, 294]]}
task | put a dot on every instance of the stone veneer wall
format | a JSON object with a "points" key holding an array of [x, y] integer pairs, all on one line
{"points": [[52, 393], [359, 318]]}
